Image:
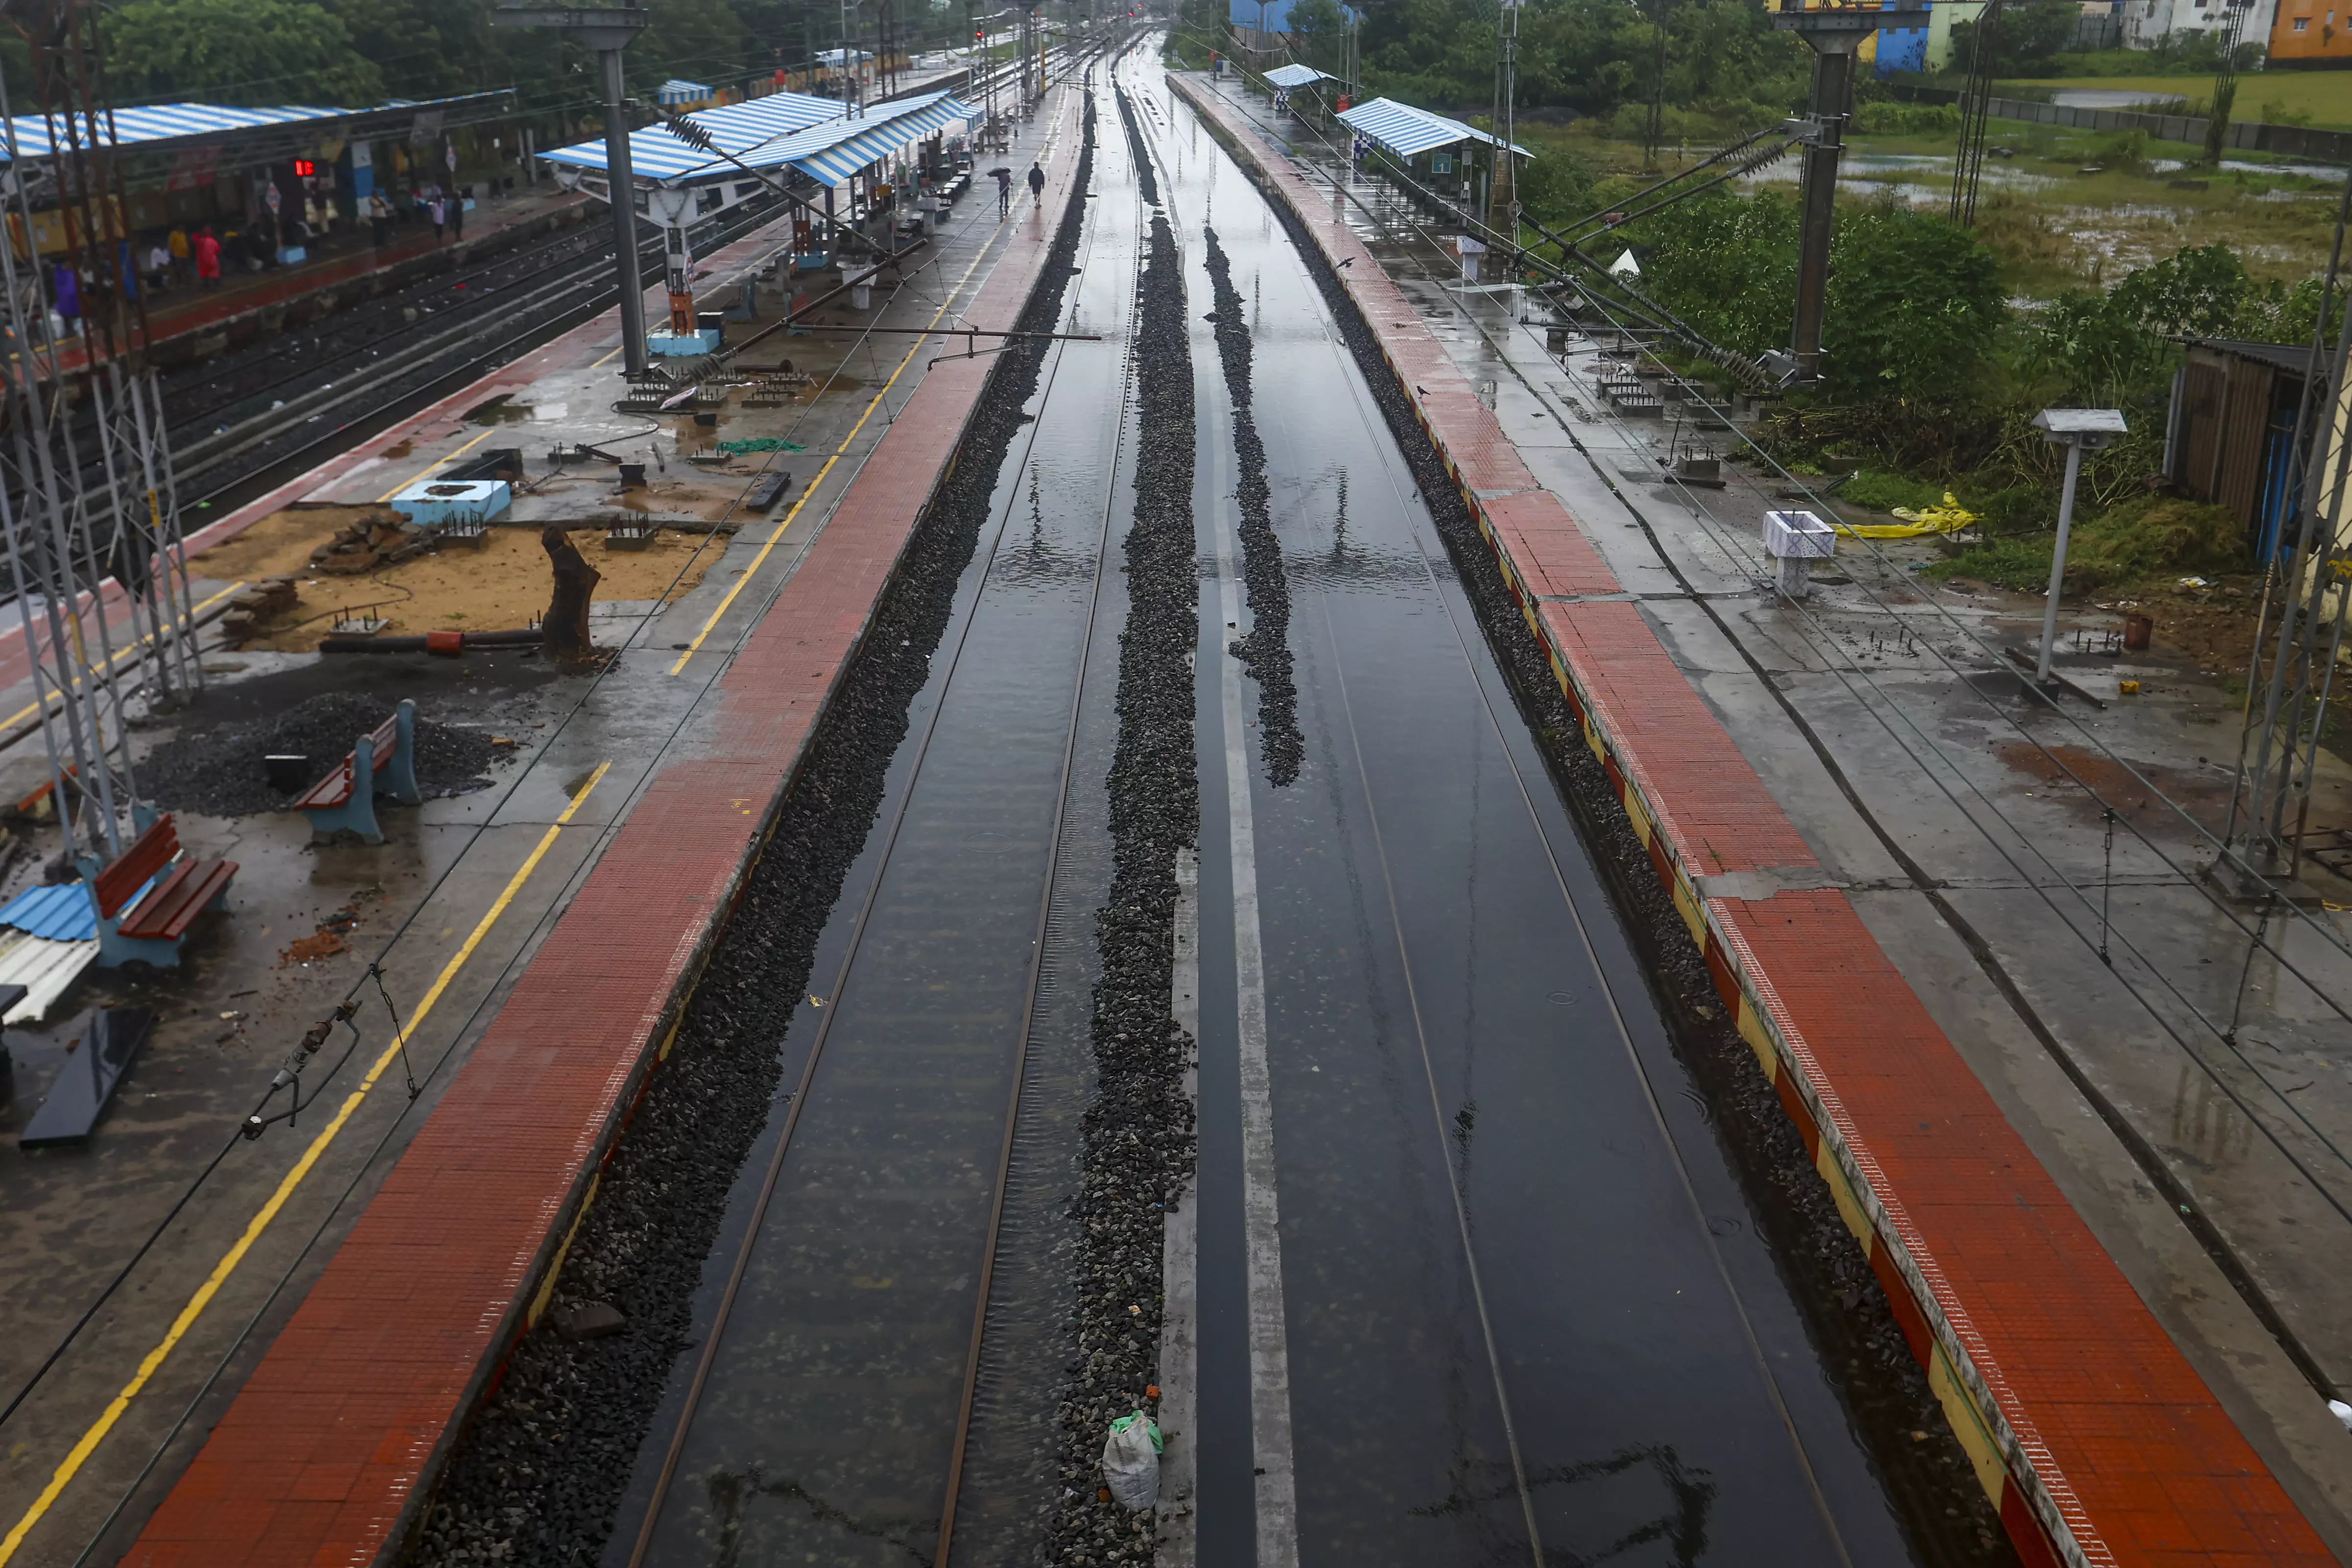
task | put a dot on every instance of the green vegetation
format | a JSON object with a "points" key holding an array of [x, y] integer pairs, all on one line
{"points": [[2139, 540], [355, 52]]}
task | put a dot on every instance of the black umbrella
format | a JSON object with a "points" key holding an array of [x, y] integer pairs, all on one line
{"points": [[1006, 173]]}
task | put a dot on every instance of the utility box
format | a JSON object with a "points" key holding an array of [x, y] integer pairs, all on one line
{"points": [[445, 503], [1794, 539]]}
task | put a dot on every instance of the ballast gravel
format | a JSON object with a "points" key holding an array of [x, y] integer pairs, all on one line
{"points": [[1138, 1147], [539, 1474], [1264, 651], [218, 771]]}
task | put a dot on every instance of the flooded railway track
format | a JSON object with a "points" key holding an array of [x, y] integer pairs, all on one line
{"points": [[1483, 1260], [832, 1406]]}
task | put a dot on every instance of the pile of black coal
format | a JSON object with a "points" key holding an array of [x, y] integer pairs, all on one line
{"points": [[223, 772]]}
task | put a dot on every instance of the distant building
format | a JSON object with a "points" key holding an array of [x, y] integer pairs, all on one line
{"points": [[2142, 22], [2310, 30], [1941, 19]]}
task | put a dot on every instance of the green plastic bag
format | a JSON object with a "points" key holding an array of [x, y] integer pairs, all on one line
{"points": [[760, 443], [1131, 1461]]}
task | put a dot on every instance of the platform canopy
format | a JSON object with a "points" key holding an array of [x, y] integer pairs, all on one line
{"points": [[677, 91], [258, 135], [1409, 133], [1297, 76], [784, 130]]}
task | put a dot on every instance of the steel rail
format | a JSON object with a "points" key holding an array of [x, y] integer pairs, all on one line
{"points": [[649, 1526]]}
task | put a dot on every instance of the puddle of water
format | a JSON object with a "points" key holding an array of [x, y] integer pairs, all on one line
{"points": [[2110, 96], [501, 410]]}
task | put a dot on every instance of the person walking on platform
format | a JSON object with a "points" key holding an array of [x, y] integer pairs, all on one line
{"points": [[178, 244], [439, 211], [458, 215], [207, 250], [1036, 182], [1003, 191], [378, 219]]}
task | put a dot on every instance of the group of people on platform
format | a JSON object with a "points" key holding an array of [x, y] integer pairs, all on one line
{"points": [[196, 255]]}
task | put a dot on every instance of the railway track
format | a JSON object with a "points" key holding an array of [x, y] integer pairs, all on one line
{"points": [[241, 424], [840, 1394]]}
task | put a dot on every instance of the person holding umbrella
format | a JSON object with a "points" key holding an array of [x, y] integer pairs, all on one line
{"points": [[1004, 178]]}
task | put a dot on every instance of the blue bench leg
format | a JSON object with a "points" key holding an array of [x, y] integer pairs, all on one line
{"points": [[399, 775], [114, 951], [358, 812]]}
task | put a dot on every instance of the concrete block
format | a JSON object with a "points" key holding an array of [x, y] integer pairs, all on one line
{"points": [[683, 345], [441, 503]]}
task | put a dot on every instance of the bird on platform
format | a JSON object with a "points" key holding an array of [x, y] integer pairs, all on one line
{"points": [[1350, 261], [1423, 389]]}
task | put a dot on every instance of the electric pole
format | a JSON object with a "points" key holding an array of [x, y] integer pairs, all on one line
{"points": [[1503, 190], [1834, 37], [608, 32]]}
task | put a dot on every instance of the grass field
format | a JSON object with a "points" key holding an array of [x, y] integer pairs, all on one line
{"points": [[2283, 96]]}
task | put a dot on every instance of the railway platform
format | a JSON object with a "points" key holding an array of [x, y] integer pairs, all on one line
{"points": [[188, 324], [535, 937], [2121, 1397]]}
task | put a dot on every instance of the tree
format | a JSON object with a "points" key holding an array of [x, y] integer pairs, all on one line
{"points": [[1914, 304], [1319, 28], [242, 52], [2025, 38]]}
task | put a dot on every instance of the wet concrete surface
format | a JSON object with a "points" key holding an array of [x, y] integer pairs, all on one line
{"points": [[75, 1220], [1527, 1309], [1883, 716]]}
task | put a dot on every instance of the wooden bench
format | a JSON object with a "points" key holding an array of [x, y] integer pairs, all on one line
{"points": [[345, 798], [152, 928]]}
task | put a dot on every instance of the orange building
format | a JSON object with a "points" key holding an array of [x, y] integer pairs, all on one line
{"points": [[2312, 30]]}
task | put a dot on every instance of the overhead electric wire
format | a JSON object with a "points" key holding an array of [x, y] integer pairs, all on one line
{"points": [[481, 826], [2209, 1236]]}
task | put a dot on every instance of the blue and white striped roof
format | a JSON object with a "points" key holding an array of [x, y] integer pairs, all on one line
{"points": [[1297, 76], [32, 136], [1409, 133], [784, 129], [677, 90]]}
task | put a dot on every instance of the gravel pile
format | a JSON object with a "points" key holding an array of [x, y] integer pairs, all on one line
{"points": [[219, 772], [1139, 1140], [1925, 1472], [537, 1476], [1145, 180], [1266, 651]]}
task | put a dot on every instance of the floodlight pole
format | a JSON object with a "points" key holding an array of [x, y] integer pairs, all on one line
{"points": [[1835, 34], [2078, 430], [608, 32]]}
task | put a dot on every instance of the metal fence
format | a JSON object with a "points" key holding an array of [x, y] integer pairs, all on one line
{"points": [[2289, 140]]}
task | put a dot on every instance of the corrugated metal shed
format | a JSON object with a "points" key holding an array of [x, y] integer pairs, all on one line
{"points": [[59, 913], [1297, 76], [44, 968], [803, 132], [1409, 133], [157, 127]]}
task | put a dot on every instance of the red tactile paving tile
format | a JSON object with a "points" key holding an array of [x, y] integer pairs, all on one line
{"points": [[320, 1456], [2093, 1435], [2130, 1447]]}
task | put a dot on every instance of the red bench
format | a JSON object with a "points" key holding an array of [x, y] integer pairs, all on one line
{"points": [[153, 928], [383, 760]]}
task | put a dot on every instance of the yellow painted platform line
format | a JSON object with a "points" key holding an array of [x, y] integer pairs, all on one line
{"points": [[424, 473], [760, 560], [30, 709], [268, 1211]]}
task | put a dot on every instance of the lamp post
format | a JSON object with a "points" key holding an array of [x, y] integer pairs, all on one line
{"points": [[608, 32], [2079, 430]]}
